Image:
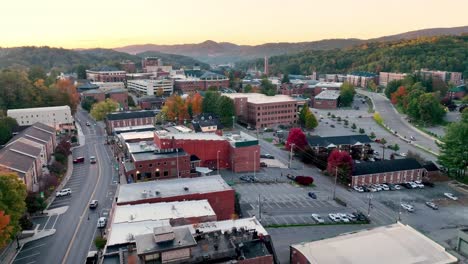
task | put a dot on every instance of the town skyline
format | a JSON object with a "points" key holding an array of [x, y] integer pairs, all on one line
{"points": [[100, 24]]}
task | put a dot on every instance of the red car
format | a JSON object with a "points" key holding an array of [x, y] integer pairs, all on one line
{"points": [[377, 140], [78, 160]]}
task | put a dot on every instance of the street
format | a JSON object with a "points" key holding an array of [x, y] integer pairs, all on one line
{"points": [[76, 228]]}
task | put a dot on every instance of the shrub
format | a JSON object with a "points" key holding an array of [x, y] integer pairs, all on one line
{"points": [[60, 158], [35, 203], [362, 131], [333, 116], [304, 180], [57, 168], [100, 242], [25, 223], [353, 126]]}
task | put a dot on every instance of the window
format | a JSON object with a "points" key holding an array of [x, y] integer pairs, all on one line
{"points": [[165, 163], [150, 165], [140, 166], [166, 173]]}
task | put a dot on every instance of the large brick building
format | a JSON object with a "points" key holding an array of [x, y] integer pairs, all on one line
{"points": [[197, 80], [387, 171], [212, 188], [259, 111], [362, 79], [129, 118], [327, 99], [105, 74], [99, 95], [455, 78], [386, 77]]}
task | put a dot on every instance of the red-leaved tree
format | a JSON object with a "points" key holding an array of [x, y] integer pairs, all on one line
{"points": [[342, 161], [397, 97], [296, 137]]}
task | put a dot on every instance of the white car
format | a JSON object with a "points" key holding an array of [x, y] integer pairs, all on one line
{"points": [[102, 221], [344, 218], [407, 207], [384, 187], [397, 187], [413, 185], [403, 154], [63, 192], [451, 196], [377, 187], [358, 189], [318, 219], [334, 217]]}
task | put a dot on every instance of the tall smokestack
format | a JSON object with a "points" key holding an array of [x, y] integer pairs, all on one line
{"points": [[266, 66]]}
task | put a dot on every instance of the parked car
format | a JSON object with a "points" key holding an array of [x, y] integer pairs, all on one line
{"points": [[318, 219], [92, 159], [384, 187], [428, 184], [263, 164], [267, 156], [371, 188], [102, 221], [351, 217], [432, 205], [93, 204], [413, 185], [360, 217], [312, 195], [78, 160], [63, 192], [419, 184], [358, 189], [248, 178], [406, 185], [407, 207], [291, 177], [397, 187], [334, 217], [451, 196], [344, 218]]}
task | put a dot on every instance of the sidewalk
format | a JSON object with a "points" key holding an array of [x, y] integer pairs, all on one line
{"points": [[51, 198]]}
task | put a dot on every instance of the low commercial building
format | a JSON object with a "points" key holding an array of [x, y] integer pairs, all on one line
{"points": [[386, 77], [318, 87], [259, 111], [118, 95], [344, 143], [151, 102], [128, 66], [328, 99], [105, 74], [212, 188], [150, 87], [55, 116], [387, 171], [129, 119], [396, 243], [143, 128]]}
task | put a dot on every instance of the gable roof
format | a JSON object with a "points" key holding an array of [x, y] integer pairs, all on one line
{"points": [[15, 161], [205, 120], [21, 147], [385, 166], [38, 132], [131, 114], [319, 141]]}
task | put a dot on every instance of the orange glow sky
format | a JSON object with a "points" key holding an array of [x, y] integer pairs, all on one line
{"points": [[107, 24]]}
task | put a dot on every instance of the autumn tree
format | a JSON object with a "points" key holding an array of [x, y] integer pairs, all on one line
{"points": [[392, 86], [310, 120], [160, 92], [340, 163], [12, 203], [5, 228], [397, 97], [296, 137], [66, 86], [100, 110], [175, 108]]}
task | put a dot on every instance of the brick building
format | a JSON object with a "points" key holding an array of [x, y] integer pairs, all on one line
{"points": [[105, 74], [212, 188], [240, 152], [327, 99], [455, 78], [201, 82], [129, 118], [386, 77], [99, 95], [387, 171], [128, 66], [362, 79], [151, 102], [319, 87], [259, 111]]}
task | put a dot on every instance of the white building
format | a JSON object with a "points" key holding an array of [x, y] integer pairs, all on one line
{"points": [[150, 87], [54, 116]]}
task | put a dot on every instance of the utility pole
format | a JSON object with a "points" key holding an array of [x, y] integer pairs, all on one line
{"points": [[290, 155], [334, 187], [217, 161], [254, 161], [177, 161], [370, 204], [259, 208]]}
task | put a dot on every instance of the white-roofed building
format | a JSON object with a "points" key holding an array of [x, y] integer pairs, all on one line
{"points": [[396, 243], [327, 99], [54, 116]]}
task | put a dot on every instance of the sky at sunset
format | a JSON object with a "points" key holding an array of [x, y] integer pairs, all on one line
{"points": [[115, 23]]}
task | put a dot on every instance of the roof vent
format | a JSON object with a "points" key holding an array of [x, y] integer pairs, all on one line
{"points": [[144, 194], [186, 188], [132, 216], [156, 193]]}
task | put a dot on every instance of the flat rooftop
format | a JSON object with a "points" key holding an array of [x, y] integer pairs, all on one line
{"points": [[326, 85], [142, 146], [258, 98], [328, 95], [170, 188], [160, 211], [39, 109], [119, 130], [148, 155], [396, 243], [136, 135], [124, 233], [191, 135]]}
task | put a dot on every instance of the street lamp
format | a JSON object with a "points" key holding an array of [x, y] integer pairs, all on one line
{"points": [[217, 160], [369, 196], [290, 155], [177, 161], [255, 161]]}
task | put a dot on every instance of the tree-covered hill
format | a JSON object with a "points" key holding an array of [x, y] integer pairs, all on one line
{"points": [[67, 60], [440, 53]]}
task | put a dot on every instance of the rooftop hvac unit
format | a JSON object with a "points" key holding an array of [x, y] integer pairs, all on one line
{"points": [[186, 189], [144, 194]]}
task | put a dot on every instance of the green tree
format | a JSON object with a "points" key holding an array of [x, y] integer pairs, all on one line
{"points": [[362, 131], [392, 86], [81, 72], [100, 242], [35, 203], [353, 126], [7, 124], [36, 72], [347, 93], [372, 135], [372, 86], [396, 147], [303, 113], [225, 110], [453, 151], [267, 87], [430, 109], [210, 101], [310, 120], [12, 201], [100, 110], [130, 101], [212, 88], [87, 103], [285, 78], [248, 88]]}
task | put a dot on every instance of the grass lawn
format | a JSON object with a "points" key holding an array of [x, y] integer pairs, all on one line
{"points": [[268, 139]]}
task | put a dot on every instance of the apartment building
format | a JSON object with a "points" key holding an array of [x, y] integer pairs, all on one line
{"points": [[386, 77], [105, 74], [54, 116]]}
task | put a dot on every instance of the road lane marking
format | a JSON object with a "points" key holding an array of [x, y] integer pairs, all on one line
{"points": [[85, 209], [28, 256], [32, 247]]}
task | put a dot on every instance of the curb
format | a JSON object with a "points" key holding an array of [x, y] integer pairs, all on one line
{"points": [[51, 198]]}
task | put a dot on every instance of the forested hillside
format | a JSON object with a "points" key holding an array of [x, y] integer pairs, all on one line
{"points": [[441, 53]]}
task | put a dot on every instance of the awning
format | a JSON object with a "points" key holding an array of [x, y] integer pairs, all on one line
{"points": [[358, 144], [203, 170], [331, 146]]}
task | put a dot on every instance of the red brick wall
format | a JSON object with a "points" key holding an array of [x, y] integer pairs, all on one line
{"points": [[258, 260], [169, 165], [129, 122], [189, 86], [222, 202], [325, 104], [398, 177], [99, 97], [272, 114], [216, 83], [121, 98], [245, 159]]}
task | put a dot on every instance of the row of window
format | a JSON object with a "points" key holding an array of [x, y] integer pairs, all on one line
{"points": [[276, 106], [53, 114], [173, 162], [275, 112]]}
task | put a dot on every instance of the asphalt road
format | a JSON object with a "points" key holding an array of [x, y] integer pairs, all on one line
{"points": [[76, 228], [396, 121]]}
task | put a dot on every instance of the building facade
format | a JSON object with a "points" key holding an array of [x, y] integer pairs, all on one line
{"points": [[118, 95], [129, 118], [54, 116], [105, 74], [386, 77], [150, 87], [327, 99]]}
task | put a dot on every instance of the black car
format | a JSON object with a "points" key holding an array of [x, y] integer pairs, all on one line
{"points": [[365, 188], [263, 164], [267, 156], [360, 217], [428, 184], [312, 195], [247, 178], [406, 185]]}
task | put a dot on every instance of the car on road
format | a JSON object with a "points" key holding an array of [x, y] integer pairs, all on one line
{"points": [[312, 195], [102, 221], [451, 196], [93, 204], [334, 218], [88, 124], [92, 159], [78, 160], [358, 189], [267, 156], [432, 205], [407, 207], [318, 219], [248, 178], [63, 192], [412, 138]]}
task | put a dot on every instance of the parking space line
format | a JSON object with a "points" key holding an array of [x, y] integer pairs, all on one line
{"points": [[311, 203], [306, 221], [48, 218], [293, 220], [29, 256], [55, 221], [23, 250]]}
